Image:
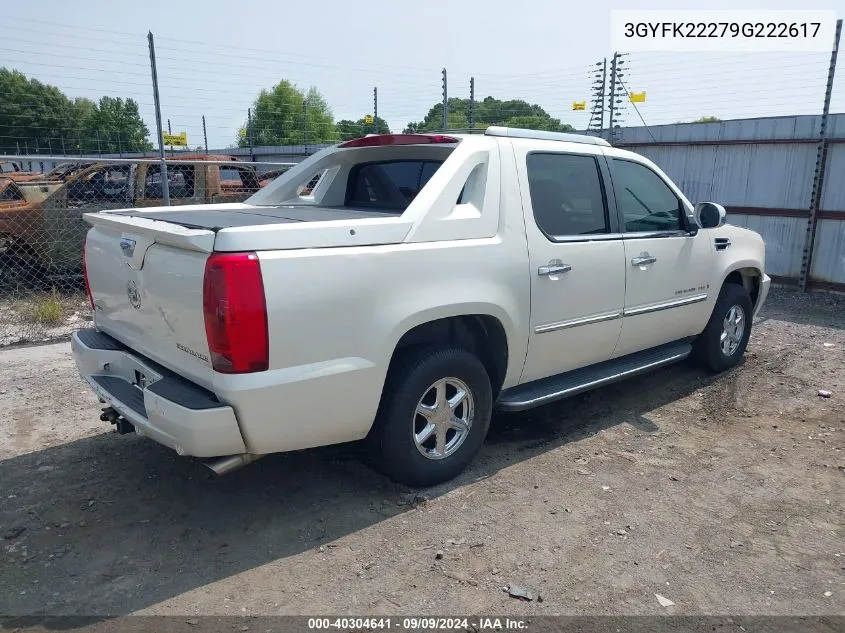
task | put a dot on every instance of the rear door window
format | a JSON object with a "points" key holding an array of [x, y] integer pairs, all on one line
{"points": [[388, 185], [567, 195]]}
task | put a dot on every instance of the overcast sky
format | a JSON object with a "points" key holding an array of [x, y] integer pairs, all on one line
{"points": [[214, 57]]}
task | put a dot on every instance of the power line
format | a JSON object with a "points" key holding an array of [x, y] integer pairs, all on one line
{"points": [[636, 109]]}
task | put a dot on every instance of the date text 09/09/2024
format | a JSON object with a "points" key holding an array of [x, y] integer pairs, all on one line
{"points": [[417, 624]]}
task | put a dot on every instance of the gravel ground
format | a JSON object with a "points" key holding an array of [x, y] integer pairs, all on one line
{"points": [[18, 325], [722, 494]]}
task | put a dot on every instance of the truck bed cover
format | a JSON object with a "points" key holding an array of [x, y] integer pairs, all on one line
{"points": [[216, 220]]}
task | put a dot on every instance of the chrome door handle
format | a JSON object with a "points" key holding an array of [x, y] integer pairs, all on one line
{"points": [[557, 269], [642, 260]]}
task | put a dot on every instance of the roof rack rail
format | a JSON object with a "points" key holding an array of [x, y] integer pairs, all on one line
{"points": [[514, 132]]}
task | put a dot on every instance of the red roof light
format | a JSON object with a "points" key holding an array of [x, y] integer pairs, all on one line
{"points": [[377, 140]]}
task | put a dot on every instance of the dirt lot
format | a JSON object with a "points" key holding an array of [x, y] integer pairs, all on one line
{"points": [[724, 495], [41, 316]]}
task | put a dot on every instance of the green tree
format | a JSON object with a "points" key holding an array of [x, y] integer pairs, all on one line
{"points": [[83, 108], [490, 111], [285, 115], [112, 125], [33, 116], [703, 119], [347, 129], [39, 118], [535, 122]]}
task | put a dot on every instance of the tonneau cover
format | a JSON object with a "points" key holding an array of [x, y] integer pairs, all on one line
{"points": [[215, 220]]}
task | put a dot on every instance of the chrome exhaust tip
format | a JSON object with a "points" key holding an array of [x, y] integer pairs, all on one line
{"points": [[231, 463]]}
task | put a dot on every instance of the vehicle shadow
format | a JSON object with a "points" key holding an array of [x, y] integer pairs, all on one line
{"points": [[117, 524]]}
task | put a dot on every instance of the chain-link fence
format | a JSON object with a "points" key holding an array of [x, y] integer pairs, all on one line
{"points": [[42, 231]]}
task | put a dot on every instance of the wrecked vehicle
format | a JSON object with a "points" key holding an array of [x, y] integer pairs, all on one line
{"points": [[41, 217]]}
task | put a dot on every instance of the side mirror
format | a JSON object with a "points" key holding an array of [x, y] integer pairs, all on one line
{"points": [[710, 215]]}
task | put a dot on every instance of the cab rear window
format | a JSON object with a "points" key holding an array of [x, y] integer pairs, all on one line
{"points": [[388, 185]]}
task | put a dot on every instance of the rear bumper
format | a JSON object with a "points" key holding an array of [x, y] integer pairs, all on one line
{"points": [[765, 284], [161, 405]]}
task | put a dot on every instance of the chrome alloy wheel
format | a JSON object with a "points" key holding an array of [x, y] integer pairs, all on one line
{"points": [[733, 329], [443, 418]]}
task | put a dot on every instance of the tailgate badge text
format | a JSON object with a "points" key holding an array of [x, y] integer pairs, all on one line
{"points": [[188, 350]]}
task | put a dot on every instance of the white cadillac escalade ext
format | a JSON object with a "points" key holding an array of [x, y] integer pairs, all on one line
{"points": [[399, 288]]}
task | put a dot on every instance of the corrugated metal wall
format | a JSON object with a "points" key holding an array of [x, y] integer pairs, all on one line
{"points": [[784, 241], [748, 175], [829, 251], [722, 162], [829, 254]]}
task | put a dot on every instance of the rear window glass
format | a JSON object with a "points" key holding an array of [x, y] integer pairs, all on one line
{"points": [[230, 174], [388, 185], [180, 179], [9, 193], [238, 179]]}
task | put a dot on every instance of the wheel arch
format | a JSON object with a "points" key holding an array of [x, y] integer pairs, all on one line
{"points": [[478, 331], [749, 276]]}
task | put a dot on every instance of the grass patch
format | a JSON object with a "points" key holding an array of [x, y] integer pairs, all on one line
{"points": [[48, 310]]}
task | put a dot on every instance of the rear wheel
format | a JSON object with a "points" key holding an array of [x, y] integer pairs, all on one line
{"points": [[722, 343], [433, 417]]}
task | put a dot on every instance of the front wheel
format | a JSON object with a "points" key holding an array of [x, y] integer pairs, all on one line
{"points": [[722, 343], [433, 417]]}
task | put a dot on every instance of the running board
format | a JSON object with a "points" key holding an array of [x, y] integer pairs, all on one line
{"points": [[540, 392]]}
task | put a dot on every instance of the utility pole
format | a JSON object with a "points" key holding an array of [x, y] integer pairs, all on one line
{"points": [[616, 90], [165, 184], [375, 110], [445, 102], [612, 92], [305, 125], [472, 103], [169, 131], [249, 133], [596, 123], [818, 176], [204, 135]]}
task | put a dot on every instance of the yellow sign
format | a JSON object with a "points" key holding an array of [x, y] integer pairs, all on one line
{"points": [[637, 97], [368, 119], [180, 139], [579, 105]]}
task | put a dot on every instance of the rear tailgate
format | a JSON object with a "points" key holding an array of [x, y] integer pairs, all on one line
{"points": [[146, 279]]}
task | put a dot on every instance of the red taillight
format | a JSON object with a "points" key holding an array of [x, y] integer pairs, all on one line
{"points": [[235, 313], [377, 140], [85, 271]]}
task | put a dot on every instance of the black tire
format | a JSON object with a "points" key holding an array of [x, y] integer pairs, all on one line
{"points": [[412, 376], [708, 348]]}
